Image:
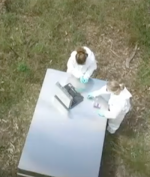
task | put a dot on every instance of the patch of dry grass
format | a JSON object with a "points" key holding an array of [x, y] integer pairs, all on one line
{"points": [[40, 34]]}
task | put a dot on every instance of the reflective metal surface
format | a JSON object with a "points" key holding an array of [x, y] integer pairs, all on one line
{"points": [[64, 145]]}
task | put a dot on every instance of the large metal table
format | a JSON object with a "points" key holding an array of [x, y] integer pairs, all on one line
{"points": [[63, 146]]}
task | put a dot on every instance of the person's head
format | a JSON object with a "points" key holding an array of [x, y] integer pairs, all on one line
{"points": [[115, 87], [81, 56]]}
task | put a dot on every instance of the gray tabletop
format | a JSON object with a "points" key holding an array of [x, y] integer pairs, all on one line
{"points": [[62, 145]]}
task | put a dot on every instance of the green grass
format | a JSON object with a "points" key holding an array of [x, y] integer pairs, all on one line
{"points": [[40, 34]]}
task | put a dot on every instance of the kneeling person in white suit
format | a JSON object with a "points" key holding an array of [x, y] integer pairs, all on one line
{"points": [[82, 64], [119, 104]]}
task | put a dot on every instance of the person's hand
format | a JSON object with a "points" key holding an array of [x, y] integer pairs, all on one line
{"points": [[90, 96], [86, 80], [83, 80], [101, 113]]}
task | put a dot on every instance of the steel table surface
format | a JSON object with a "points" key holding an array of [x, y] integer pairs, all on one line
{"points": [[63, 146]]}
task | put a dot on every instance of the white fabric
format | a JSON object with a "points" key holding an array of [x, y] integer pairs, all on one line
{"points": [[111, 129], [119, 106], [85, 70]]}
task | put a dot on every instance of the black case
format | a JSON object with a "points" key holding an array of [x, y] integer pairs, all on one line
{"points": [[77, 97]]}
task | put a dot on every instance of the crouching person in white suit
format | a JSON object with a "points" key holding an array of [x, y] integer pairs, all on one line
{"points": [[119, 104], [82, 64]]}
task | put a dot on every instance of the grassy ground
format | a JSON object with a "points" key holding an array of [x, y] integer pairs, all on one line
{"points": [[40, 34]]}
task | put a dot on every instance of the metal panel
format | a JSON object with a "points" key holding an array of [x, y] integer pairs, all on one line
{"points": [[64, 145]]}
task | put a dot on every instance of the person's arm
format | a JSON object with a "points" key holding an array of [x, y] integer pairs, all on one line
{"points": [[71, 66], [100, 92], [113, 113], [92, 66], [90, 70]]}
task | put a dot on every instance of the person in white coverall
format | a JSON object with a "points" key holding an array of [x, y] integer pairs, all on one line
{"points": [[82, 64], [119, 104]]}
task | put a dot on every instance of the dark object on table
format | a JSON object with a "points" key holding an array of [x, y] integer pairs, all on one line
{"points": [[100, 103], [68, 96]]}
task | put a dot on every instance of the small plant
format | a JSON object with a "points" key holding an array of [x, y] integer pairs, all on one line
{"points": [[22, 67]]}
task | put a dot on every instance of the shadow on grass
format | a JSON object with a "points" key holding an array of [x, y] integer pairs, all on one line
{"points": [[113, 147], [131, 146], [108, 163], [132, 124], [8, 173]]}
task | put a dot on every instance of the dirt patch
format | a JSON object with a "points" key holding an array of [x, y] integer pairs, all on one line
{"points": [[3, 5]]}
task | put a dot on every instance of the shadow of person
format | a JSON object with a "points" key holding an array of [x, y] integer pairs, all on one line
{"points": [[108, 162], [131, 125]]}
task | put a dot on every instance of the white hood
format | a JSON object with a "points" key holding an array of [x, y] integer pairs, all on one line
{"points": [[85, 70]]}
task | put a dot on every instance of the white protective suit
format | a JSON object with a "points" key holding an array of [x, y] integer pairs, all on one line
{"points": [[119, 106], [85, 70]]}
